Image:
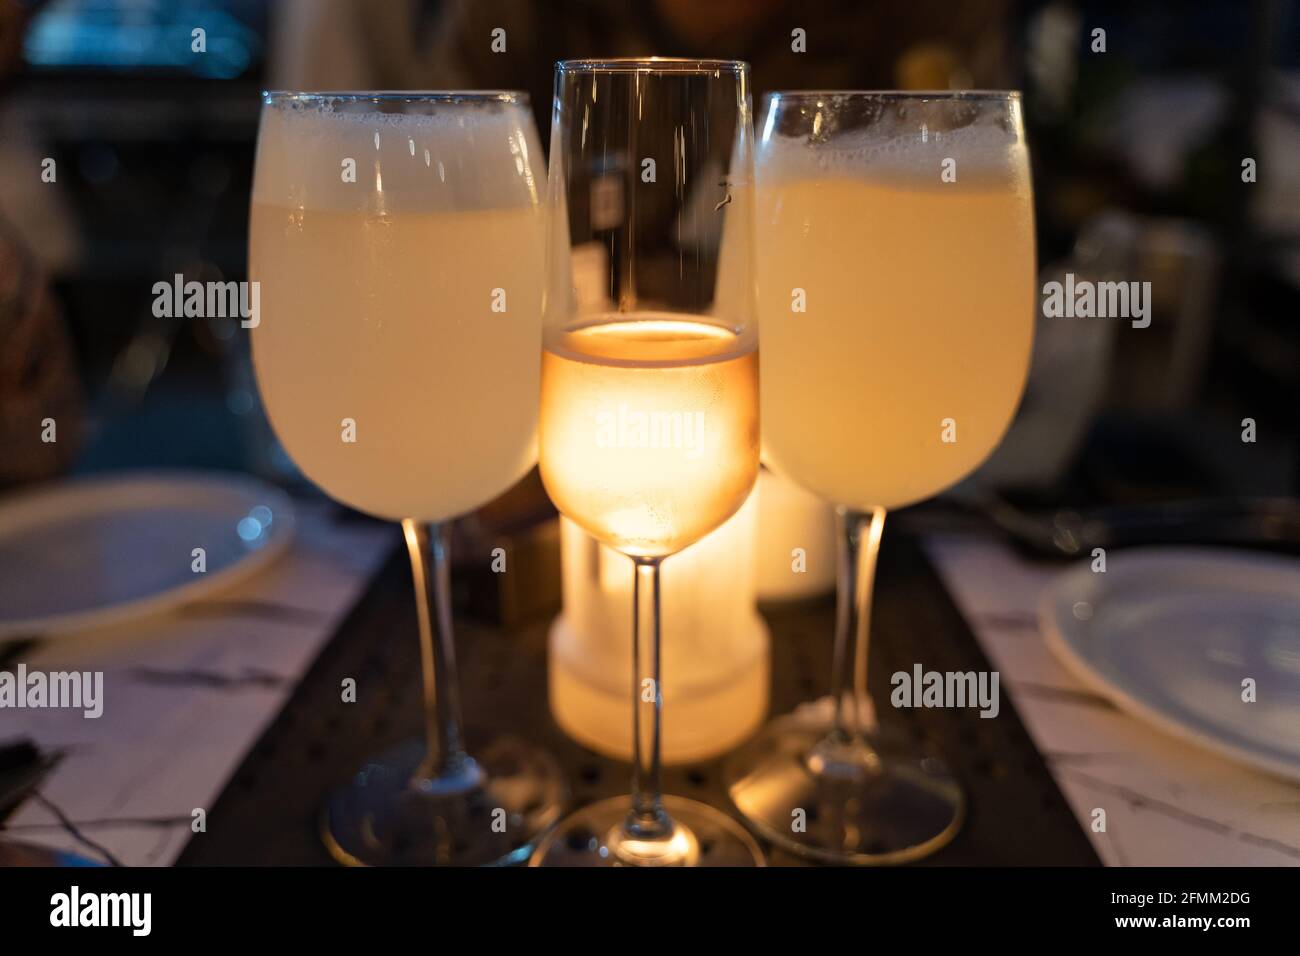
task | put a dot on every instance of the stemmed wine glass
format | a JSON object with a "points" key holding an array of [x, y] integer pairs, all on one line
{"points": [[896, 283], [649, 420], [398, 242]]}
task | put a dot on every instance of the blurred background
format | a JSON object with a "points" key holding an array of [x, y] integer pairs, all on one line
{"points": [[1139, 135]]}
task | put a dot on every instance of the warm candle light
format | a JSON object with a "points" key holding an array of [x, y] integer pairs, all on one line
{"points": [[715, 645]]}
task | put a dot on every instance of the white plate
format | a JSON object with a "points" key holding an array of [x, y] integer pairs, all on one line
{"points": [[1170, 634], [96, 551]]}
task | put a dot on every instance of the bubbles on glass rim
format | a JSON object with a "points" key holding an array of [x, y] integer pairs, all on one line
{"points": [[865, 136]]}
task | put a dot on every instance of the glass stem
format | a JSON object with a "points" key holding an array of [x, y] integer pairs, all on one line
{"points": [[859, 545], [647, 819], [427, 545]]}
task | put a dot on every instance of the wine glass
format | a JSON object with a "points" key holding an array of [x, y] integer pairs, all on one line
{"points": [[398, 242], [896, 283], [649, 415]]}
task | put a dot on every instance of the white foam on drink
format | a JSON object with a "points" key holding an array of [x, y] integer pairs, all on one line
{"points": [[893, 148], [456, 157]]}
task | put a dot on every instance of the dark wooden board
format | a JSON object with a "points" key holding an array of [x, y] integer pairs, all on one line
{"points": [[267, 814]]}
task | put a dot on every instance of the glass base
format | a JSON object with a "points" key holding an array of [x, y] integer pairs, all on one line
{"points": [[478, 813], [854, 800], [595, 836]]}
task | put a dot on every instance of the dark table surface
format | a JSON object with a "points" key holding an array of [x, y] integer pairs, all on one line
{"points": [[268, 813]]}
